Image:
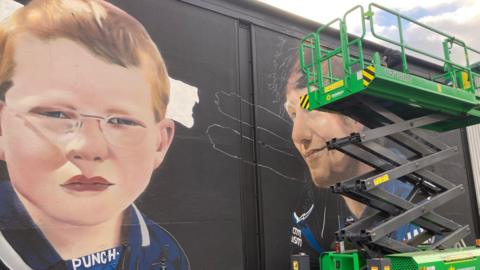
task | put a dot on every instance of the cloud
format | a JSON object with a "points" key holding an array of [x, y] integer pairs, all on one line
{"points": [[323, 13], [462, 23], [458, 18]]}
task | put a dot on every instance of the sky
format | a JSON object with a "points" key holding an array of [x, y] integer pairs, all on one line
{"points": [[458, 18]]}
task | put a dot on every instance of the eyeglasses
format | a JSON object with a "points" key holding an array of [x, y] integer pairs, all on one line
{"points": [[62, 125]]}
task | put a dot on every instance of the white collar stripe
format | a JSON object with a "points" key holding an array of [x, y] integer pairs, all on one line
{"points": [[143, 227], [10, 257]]}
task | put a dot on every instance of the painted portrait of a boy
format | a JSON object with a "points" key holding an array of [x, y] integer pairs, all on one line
{"points": [[83, 92]]}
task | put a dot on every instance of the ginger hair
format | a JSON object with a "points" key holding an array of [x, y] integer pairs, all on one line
{"points": [[105, 30]]}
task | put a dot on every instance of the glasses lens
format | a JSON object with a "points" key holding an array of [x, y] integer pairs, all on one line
{"points": [[57, 125], [124, 131]]}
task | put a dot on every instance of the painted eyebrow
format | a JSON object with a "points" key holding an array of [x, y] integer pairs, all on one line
{"points": [[70, 107], [54, 106], [118, 111]]}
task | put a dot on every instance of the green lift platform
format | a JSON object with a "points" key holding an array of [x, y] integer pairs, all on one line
{"points": [[452, 93], [397, 107]]}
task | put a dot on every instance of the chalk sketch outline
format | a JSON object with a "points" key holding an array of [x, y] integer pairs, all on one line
{"points": [[216, 125]]}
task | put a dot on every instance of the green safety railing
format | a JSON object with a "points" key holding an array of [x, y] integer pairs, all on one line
{"points": [[327, 55], [349, 63], [457, 75], [452, 69], [311, 48], [309, 61]]}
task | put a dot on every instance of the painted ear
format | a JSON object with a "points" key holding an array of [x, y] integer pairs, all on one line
{"points": [[2, 140], [358, 126], [354, 125], [166, 130]]}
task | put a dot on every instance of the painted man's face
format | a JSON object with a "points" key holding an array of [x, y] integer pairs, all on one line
{"points": [[82, 177], [311, 131]]}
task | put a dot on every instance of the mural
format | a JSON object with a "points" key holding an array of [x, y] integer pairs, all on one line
{"points": [[306, 210], [84, 97], [105, 168]]}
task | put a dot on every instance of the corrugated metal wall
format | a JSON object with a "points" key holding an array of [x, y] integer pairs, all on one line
{"points": [[473, 134]]}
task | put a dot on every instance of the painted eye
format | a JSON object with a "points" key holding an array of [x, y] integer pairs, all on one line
{"points": [[55, 114], [123, 121]]}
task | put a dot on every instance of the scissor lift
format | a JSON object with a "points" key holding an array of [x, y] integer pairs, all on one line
{"points": [[372, 233], [399, 109]]}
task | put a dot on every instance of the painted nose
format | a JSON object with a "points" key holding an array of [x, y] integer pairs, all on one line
{"points": [[301, 133], [89, 144]]}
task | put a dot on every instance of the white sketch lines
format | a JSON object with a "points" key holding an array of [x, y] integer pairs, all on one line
{"points": [[216, 131]]}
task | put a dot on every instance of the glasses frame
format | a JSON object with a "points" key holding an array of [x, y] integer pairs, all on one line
{"points": [[78, 121]]}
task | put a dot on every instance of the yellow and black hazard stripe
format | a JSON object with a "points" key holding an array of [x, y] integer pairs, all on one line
{"points": [[305, 102], [368, 75], [465, 80]]}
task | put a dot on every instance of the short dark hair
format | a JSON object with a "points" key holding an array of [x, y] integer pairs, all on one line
{"points": [[298, 80]]}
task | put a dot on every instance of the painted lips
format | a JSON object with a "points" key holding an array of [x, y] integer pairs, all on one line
{"points": [[80, 183], [310, 153]]}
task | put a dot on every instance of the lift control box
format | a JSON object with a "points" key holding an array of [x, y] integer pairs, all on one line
{"points": [[300, 262], [379, 264]]}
